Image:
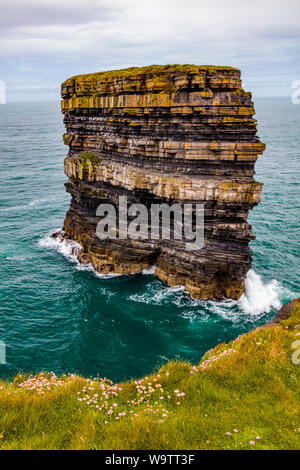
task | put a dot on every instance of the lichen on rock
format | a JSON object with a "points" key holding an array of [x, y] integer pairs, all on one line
{"points": [[174, 133]]}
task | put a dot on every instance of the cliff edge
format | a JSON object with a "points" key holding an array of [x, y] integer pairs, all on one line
{"points": [[242, 395]]}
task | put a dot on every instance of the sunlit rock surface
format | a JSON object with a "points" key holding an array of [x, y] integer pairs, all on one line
{"points": [[174, 134]]}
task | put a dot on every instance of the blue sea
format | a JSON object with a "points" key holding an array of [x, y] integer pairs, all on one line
{"points": [[57, 316]]}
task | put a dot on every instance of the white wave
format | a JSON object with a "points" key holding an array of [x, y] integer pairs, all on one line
{"points": [[16, 258], [227, 309], [259, 297], [108, 275], [195, 315], [68, 248], [38, 201], [161, 295], [30, 204], [150, 270]]}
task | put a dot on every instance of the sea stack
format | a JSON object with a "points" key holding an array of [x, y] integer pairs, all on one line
{"points": [[164, 134]]}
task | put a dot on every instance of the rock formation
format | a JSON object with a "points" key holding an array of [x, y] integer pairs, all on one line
{"points": [[174, 134], [286, 311]]}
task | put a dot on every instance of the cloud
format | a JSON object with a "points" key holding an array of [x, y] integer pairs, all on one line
{"points": [[51, 40], [17, 14], [33, 87]]}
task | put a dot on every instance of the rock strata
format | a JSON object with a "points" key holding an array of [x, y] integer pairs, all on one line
{"points": [[164, 134]]}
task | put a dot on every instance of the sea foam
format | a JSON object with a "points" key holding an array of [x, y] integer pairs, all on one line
{"points": [[70, 250], [260, 297]]}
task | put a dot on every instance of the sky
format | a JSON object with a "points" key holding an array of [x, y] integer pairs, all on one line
{"points": [[43, 42]]}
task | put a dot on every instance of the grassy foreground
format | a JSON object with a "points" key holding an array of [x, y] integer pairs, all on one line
{"points": [[242, 395]]}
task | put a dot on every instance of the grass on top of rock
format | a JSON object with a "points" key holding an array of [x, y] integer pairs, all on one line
{"points": [[242, 395], [138, 72]]}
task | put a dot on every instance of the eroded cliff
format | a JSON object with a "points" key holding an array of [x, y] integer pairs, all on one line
{"points": [[174, 134]]}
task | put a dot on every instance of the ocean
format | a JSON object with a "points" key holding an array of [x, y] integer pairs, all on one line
{"points": [[57, 316]]}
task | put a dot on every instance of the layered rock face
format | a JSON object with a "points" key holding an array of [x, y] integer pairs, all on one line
{"points": [[164, 134]]}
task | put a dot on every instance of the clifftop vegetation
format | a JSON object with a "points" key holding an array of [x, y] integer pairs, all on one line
{"points": [[242, 395]]}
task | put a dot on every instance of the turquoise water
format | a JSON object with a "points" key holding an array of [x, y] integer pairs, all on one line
{"points": [[56, 316]]}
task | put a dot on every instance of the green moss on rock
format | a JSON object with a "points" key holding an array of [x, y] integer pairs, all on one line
{"points": [[89, 157], [135, 72]]}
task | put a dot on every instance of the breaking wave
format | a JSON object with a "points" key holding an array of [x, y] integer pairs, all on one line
{"points": [[260, 297], [70, 250], [67, 248]]}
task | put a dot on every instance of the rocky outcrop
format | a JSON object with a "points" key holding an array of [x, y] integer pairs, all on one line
{"points": [[286, 311], [174, 134]]}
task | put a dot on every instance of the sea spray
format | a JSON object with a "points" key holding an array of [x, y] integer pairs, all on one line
{"points": [[259, 297], [68, 248]]}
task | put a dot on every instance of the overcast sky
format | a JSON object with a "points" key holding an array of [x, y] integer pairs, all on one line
{"points": [[43, 42]]}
